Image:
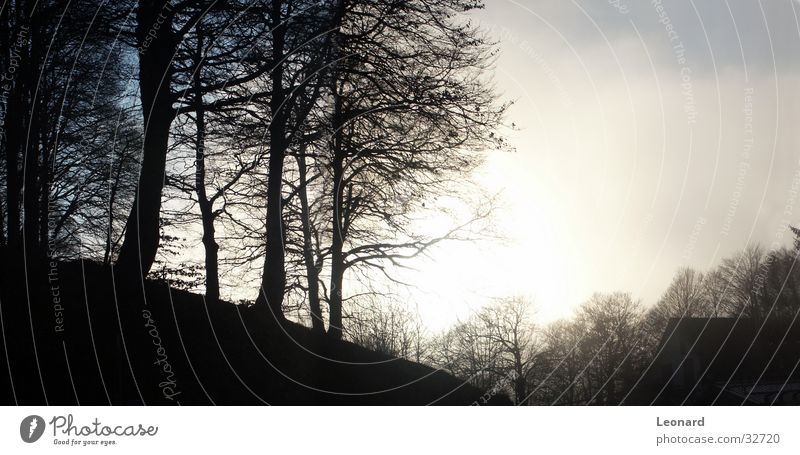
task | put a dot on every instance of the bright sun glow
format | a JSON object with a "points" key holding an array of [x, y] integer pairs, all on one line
{"points": [[532, 257]]}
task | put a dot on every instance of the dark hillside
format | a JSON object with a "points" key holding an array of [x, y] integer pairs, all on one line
{"points": [[94, 344]]}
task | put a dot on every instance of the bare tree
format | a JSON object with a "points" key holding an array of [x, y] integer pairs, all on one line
{"points": [[66, 93], [298, 55], [745, 273], [408, 109], [509, 323], [388, 328], [157, 41], [562, 365], [715, 288], [612, 346], [465, 351], [217, 66], [499, 346], [173, 78], [686, 297]]}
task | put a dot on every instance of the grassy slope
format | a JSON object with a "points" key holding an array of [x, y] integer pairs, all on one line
{"points": [[217, 353]]}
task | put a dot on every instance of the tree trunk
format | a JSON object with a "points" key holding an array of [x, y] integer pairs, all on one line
{"points": [[312, 270], [211, 250], [12, 180], [16, 115], [335, 327], [30, 192], [206, 206], [5, 28], [157, 45], [338, 265], [521, 389], [2, 225], [520, 381], [30, 145], [43, 208], [111, 199], [273, 278]]}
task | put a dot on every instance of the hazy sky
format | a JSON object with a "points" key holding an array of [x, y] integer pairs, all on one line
{"points": [[651, 135]]}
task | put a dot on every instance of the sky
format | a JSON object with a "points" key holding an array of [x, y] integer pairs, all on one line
{"points": [[650, 136]]}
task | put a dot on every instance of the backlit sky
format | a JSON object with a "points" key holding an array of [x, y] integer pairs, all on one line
{"points": [[648, 139]]}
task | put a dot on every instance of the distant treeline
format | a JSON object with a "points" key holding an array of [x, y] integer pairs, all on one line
{"points": [[602, 354]]}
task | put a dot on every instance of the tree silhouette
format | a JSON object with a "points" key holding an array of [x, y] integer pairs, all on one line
{"points": [[686, 297], [69, 145], [498, 346], [297, 54], [408, 110]]}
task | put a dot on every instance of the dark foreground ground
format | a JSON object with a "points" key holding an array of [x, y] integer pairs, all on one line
{"points": [[74, 335]]}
